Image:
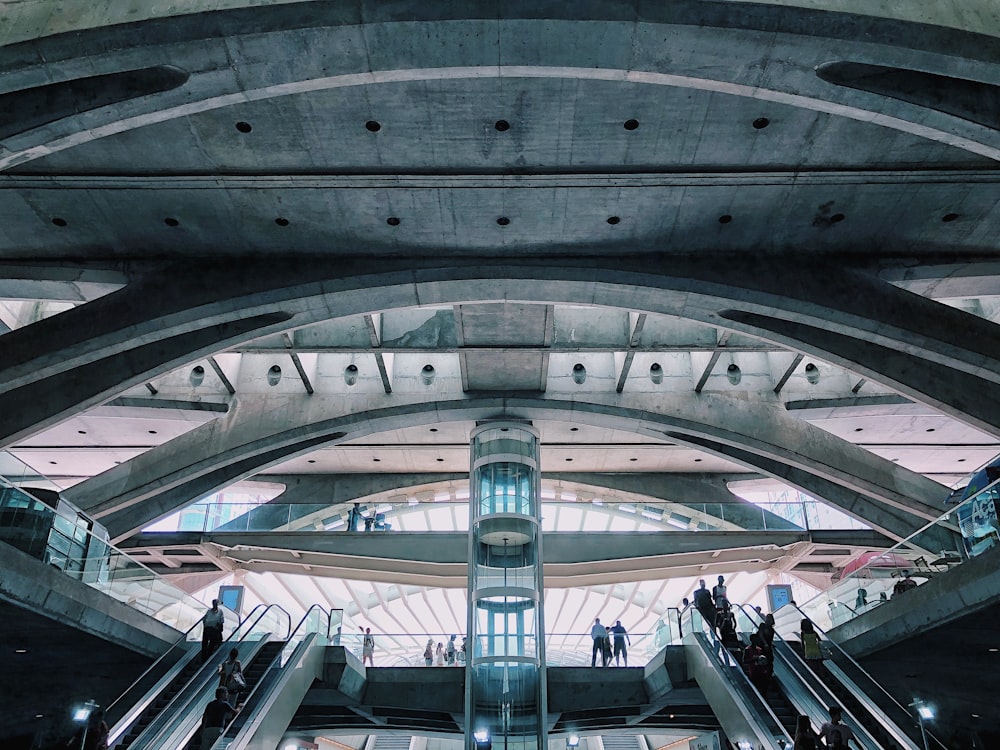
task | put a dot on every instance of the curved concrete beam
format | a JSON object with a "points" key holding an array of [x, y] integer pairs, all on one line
{"points": [[235, 64], [65, 364], [37, 17], [264, 431]]}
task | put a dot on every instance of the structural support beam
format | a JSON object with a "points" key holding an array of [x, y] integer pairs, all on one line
{"points": [[95, 351], [262, 432]]}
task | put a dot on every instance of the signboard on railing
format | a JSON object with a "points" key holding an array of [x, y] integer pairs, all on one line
{"points": [[977, 519], [707, 742]]}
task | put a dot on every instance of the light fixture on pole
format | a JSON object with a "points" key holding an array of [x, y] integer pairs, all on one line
{"points": [[572, 742], [924, 713], [81, 715]]}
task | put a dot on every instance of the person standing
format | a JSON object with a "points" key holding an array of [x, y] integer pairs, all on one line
{"points": [[719, 596], [439, 655], [810, 641], [449, 651], [218, 714], [211, 631], [598, 634], [704, 604], [368, 648], [231, 676], [836, 735], [429, 652], [621, 636], [766, 632], [805, 738]]}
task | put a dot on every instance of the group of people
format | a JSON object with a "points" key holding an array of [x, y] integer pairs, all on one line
{"points": [[450, 655], [610, 643], [712, 605], [834, 733]]}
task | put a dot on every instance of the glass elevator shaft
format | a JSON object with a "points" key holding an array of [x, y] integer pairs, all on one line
{"points": [[505, 686]]}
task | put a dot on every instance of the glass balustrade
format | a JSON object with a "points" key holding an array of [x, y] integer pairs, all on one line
{"points": [[961, 533], [61, 537], [410, 516]]}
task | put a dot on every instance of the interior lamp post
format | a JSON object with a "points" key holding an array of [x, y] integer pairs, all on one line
{"points": [[82, 716], [924, 713]]}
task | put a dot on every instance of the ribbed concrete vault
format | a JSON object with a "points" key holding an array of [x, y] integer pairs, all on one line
{"points": [[731, 239]]}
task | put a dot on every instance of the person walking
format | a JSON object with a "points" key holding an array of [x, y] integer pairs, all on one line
{"points": [[368, 648], [211, 631], [218, 714], [598, 634], [836, 735], [621, 636]]}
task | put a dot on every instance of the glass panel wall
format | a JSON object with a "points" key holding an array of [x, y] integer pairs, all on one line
{"points": [[505, 689]]}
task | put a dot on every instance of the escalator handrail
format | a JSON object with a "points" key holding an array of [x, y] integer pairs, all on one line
{"points": [[854, 663], [140, 678], [799, 668], [264, 609]]}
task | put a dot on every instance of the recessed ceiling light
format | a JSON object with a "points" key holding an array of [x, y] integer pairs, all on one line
{"points": [[440, 460], [994, 650], [53, 463], [311, 461], [930, 429], [81, 432], [859, 429], [41, 716], [633, 459], [376, 460], [760, 123], [631, 124], [152, 432], [697, 460], [281, 221], [434, 429], [961, 460], [569, 459], [20, 650], [574, 429], [244, 127]]}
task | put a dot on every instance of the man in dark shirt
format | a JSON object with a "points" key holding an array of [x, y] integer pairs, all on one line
{"points": [[621, 635], [218, 714]]}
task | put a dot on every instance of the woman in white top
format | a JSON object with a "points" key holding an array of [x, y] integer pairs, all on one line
{"points": [[439, 655]]}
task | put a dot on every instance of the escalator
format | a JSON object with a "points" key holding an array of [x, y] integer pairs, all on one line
{"points": [[170, 712], [252, 673], [276, 694], [811, 688], [741, 710]]}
